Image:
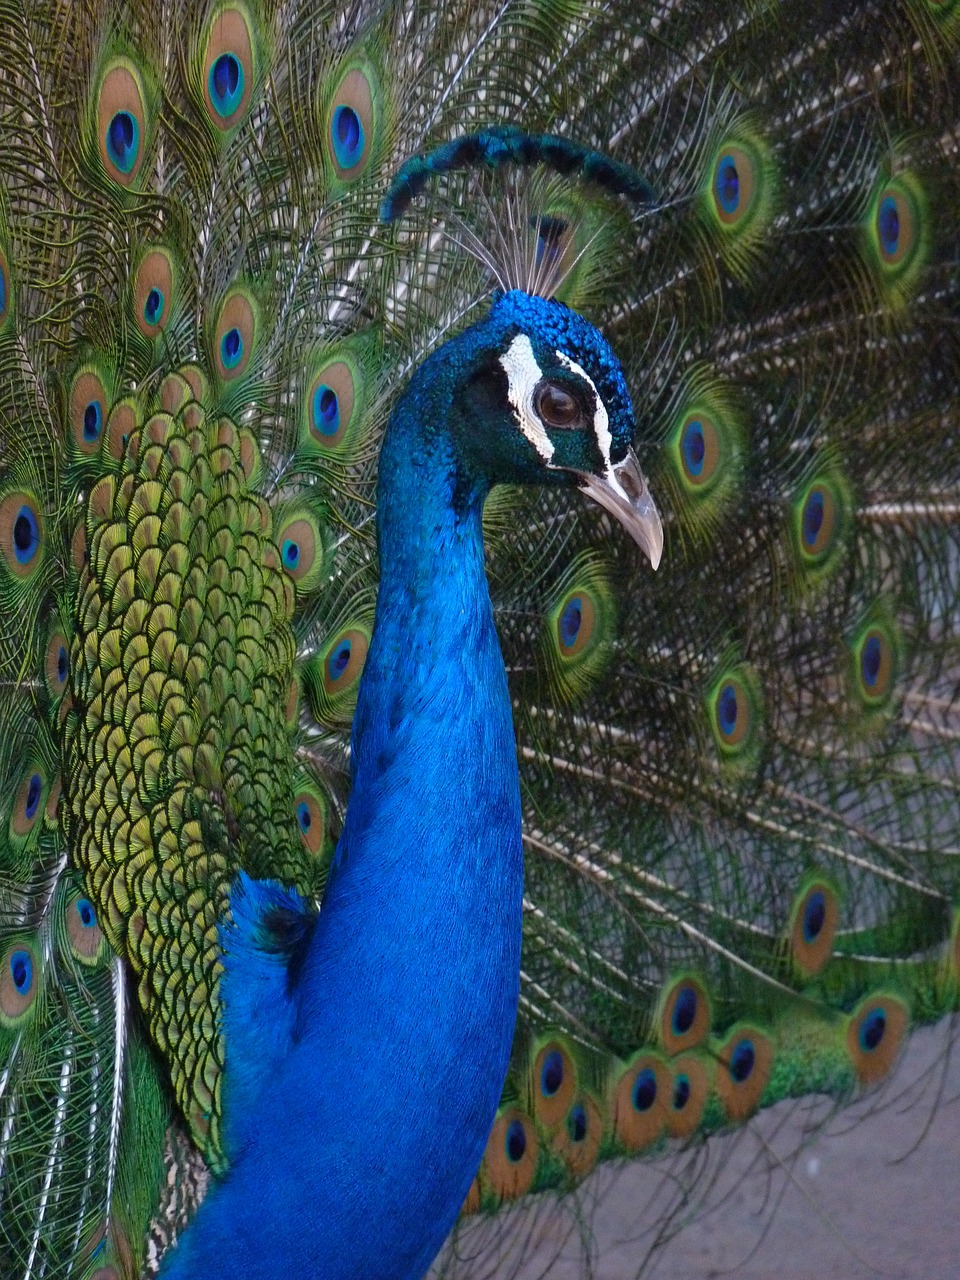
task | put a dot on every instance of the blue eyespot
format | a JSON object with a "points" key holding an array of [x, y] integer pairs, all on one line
{"points": [[123, 141], [326, 410], [348, 137], [231, 348], [888, 226], [551, 1073], [727, 185], [644, 1090], [153, 307], [88, 917], [290, 551], [3, 289], [570, 622], [684, 1011], [21, 971], [742, 1060], [813, 513], [814, 916], [225, 84], [26, 535], [577, 1123], [727, 710], [34, 792], [92, 421], [681, 1092], [694, 447], [872, 1030], [63, 664], [871, 658], [515, 1143], [304, 816], [339, 658]]}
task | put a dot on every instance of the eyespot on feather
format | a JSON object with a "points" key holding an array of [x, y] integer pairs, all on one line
{"points": [[228, 68], [741, 183], [28, 803], [56, 663], [21, 533], [553, 1084], [352, 121], [740, 195], [683, 1017], [734, 710], [875, 1034], [640, 1098], [702, 463], [735, 176], [88, 411], [337, 390], [343, 661], [743, 1069], [576, 621], [299, 539], [898, 234], [820, 518], [311, 817], [153, 292], [577, 1139], [121, 122], [332, 675], [83, 932], [698, 449], [510, 1159], [578, 628], [235, 335], [331, 402], [19, 981], [814, 921], [876, 660], [689, 1090]]}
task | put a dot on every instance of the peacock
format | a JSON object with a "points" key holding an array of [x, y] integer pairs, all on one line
{"points": [[479, 609]]}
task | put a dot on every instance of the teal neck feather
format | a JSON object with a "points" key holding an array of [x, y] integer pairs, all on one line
{"points": [[383, 1047]]}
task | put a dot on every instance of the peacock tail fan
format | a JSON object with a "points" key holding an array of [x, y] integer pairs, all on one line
{"points": [[739, 775]]}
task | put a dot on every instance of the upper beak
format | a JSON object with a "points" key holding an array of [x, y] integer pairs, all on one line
{"points": [[623, 492]]}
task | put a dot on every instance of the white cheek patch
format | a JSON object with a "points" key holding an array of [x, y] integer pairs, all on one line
{"points": [[601, 420], [523, 373]]}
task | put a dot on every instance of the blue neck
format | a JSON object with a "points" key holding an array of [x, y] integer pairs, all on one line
{"points": [[388, 1056]]}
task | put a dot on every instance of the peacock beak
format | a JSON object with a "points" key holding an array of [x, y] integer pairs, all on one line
{"points": [[623, 492]]}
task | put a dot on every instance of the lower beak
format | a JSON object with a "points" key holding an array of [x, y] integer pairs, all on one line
{"points": [[623, 492]]}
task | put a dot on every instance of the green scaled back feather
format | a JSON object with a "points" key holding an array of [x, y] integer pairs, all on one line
{"points": [[740, 776]]}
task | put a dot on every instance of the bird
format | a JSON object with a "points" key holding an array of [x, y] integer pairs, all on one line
{"points": [[386, 843]]}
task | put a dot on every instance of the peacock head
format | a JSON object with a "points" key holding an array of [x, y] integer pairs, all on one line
{"points": [[545, 402]]}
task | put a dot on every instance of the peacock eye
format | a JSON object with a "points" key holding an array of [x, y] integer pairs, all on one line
{"points": [[556, 406]]}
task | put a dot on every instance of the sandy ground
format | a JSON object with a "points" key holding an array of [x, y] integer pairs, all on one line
{"points": [[875, 1195]]}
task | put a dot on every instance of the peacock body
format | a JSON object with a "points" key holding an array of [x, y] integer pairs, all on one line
{"points": [[247, 963]]}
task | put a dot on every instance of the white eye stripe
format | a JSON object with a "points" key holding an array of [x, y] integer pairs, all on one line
{"points": [[523, 375], [601, 420]]}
